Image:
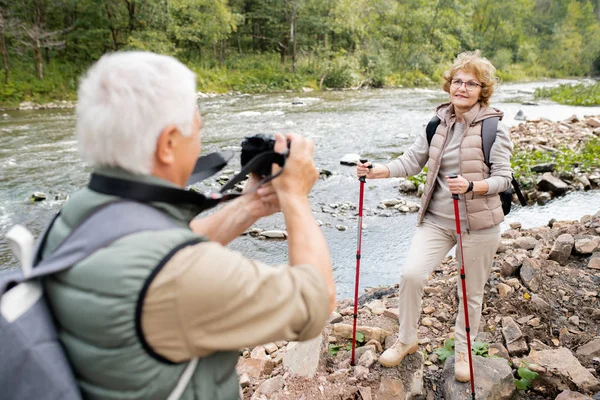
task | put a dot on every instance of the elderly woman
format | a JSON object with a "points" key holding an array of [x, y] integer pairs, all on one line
{"points": [[456, 147]]}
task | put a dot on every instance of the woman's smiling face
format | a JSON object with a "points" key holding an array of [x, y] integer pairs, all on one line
{"points": [[462, 96]]}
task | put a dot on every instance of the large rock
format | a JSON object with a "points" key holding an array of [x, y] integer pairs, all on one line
{"points": [[591, 348], [515, 342], [345, 331], [563, 370], [268, 388], [302, 358], [526, 242], [350, 159], [510, 265], [391, 389], [594, 262], [563, 245], [406, 186], [530, 274], [569, 395], [255, 368], [586, 244], [541, 168], [493, 380], [549, 183]]}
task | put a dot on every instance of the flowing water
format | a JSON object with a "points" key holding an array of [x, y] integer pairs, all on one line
{"points": [[39, 153]]}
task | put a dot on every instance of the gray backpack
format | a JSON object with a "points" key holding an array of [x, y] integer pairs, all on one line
{"points": [[33, 364]]}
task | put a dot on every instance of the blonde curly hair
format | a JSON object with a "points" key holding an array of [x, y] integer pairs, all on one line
{"points": [[472, 62]]}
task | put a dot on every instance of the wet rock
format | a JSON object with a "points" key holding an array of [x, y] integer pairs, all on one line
{"points": [[549, 183], [350, 159], [392, 202], [391, 389], [543, 198], [341, 227], [302, 358], [268, 388], [520, 116], [530, 274], [493, 380], [563, 370], [569, 395], [562, 248], [541, 168], [345, 331], [274, 234], [38, 196], [515, 342], [586, 244]]}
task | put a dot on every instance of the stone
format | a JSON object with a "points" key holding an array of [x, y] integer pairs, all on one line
{"points": [[540, 303], [367, 359], [520, 116], [593, 122], [244, 380], [504, 289], [510, 265], [361, 372], [526, 242], [359, 351], [534, 322], [345, 331], [498, 350], [274, 234], [428, 310], [392, 313], [549, 183], [590, 349], [38, 196], [561, 250], [515, 342], [392, 202], [493, 380], [540, 168], [255, 368], [365, 392], [302, 358], [594, 262], [391, 389], [271, 348], [530, 274], [341, 228], [268, 388], [524, 319], [430, 290], [259, 353], [563, 370], [543, 198], [586, 245], [406, 186], [335, 317], [350, 159], [569, 395]]}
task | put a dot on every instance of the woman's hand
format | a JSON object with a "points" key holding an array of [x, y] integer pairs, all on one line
{"points": [[374, 172], [363, 169], [458, 185]]}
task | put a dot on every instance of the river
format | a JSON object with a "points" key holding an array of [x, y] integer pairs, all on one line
{"points": [[39, 153]]}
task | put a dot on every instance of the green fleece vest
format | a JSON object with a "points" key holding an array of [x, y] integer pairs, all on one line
{"points": [[97, 306]]}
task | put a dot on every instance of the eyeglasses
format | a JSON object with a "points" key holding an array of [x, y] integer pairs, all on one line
{"points": [[470, 85]]}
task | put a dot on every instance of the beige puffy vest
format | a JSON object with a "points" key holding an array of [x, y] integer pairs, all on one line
{"points": [[483, 211]]}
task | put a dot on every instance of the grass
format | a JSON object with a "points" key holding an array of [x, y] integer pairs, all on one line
{"points": [[575, 95]]}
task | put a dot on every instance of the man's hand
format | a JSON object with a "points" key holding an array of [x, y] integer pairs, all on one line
{"points": [[263, 202], [299, 174]]}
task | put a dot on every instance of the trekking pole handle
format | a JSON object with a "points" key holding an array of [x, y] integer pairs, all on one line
{"points": [[364, 160], [453, 176]]}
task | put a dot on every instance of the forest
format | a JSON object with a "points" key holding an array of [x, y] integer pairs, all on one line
{"points": [[271, 45]]}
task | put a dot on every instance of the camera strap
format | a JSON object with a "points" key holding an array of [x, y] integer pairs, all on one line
{"points": [[268, 157]]}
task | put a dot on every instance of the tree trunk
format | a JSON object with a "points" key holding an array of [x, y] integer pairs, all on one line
{"points": [[293, 37], [3, 49], [283, 51], [113, 31], [37, 53]]}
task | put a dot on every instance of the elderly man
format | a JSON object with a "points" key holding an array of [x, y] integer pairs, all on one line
{"points": [[133, 314]]}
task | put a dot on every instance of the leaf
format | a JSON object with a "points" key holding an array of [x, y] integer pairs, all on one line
{"points": [[480, 348], [523, 384], [445, 352], [528, 374], [360, 337], [334, 349]]}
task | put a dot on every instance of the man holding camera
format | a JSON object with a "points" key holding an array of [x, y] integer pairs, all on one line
{"points": [[132, 314]]}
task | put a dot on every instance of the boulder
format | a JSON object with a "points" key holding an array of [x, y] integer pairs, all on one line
{"points": [[594, 262], [345, 331], [590, 349], [549, 183], [391, 389], [530, 274], [520, 116], [350, 159], [406, 186], [493, 380], [586, 244], [302, 358], [561, 250], [268, 388], [526, 242], [255, 368], [563, 370], [541, 168]]}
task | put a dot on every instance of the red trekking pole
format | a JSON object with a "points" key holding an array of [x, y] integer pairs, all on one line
{"points": [[464, 288], [358, 245]]}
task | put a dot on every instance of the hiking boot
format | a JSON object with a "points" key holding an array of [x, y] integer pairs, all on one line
{"points": [[461, 367], [395, 354]]}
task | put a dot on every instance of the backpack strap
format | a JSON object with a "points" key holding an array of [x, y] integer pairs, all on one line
{"points": [[103, 226], [489, 127], [431, 128]]}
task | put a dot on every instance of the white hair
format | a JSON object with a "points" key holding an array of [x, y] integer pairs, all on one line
{"points": [[125, 101]]}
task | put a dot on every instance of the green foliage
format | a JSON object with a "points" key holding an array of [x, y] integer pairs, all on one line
{"points": [[421, 177], [445, 352], [576, 95], [341, 73], [481, 349], [526, 377], [335, 348]]}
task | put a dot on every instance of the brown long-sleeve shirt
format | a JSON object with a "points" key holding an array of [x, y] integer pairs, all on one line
{"points": [[208, 298]]}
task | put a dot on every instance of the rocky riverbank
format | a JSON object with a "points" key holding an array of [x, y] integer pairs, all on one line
{"points": [[541, 313]]}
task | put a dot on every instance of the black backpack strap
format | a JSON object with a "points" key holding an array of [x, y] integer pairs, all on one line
{"points": [[517, 188], [489, 127], [431, 128], [102, 227]]}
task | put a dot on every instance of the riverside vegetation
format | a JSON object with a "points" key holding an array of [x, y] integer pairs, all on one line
{"points": [[266, 45]]}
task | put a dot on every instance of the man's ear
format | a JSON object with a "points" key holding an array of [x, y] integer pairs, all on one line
{"points": [[165, 145]]}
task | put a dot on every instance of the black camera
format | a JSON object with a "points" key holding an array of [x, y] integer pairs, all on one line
{"points": [[256, 145]]}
